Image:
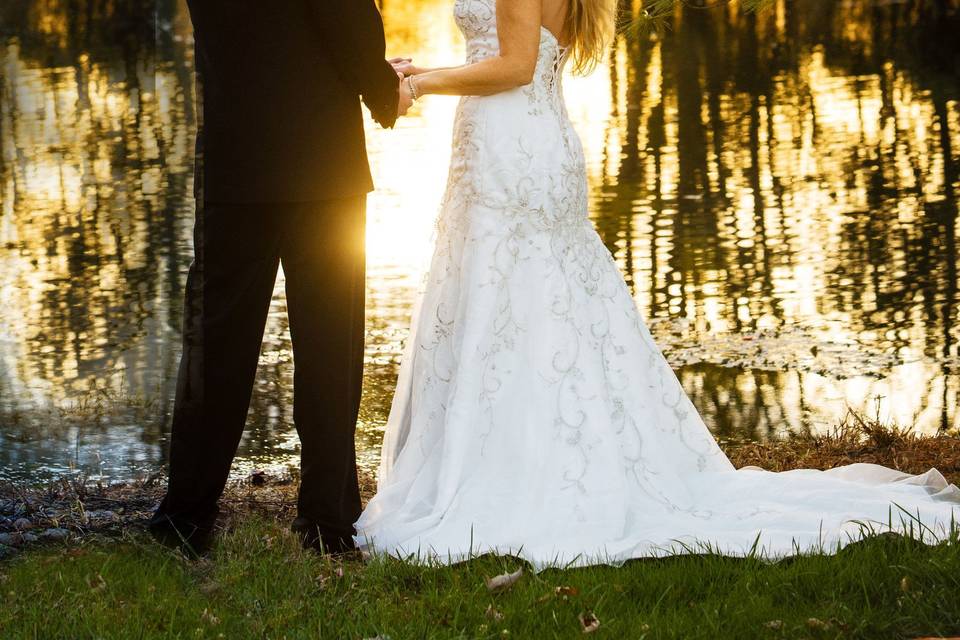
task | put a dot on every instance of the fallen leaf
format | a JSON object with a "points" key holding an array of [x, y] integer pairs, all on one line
{"points": [[776, 625], [209, 587], [905, 583], [492, 614], [589, 622], [504, 581], [818, 624], [96, 583], [209, 618], [566, 592]]}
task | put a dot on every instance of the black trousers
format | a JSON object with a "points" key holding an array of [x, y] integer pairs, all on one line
{"points": [[238, 248]]}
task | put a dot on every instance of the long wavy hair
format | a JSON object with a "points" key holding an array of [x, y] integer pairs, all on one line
{"points": [[590, 28]]}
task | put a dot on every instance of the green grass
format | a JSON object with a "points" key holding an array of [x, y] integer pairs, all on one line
{"points": [[258, 584]]}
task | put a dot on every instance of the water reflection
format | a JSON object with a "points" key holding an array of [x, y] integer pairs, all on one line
{"points": [[95, 127], [779, 190], [792, 174]]}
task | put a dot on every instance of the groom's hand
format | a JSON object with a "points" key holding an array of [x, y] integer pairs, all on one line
{"points": [[352, 34], [406, 100]]}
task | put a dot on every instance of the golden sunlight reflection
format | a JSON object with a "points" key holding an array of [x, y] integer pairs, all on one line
{"points": [[779, 190]]}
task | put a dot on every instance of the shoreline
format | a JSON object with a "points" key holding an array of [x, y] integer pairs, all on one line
{"points": [[75, 508]]}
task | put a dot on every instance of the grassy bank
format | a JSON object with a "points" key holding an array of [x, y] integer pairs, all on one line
{"points": [[258, 584], [856, 438], [102, 577]]}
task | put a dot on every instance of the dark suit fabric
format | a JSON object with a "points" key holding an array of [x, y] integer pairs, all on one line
{"points": [[280, 84], [231, 282], [282, 177]]}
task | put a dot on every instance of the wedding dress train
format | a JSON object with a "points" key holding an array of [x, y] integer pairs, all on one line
{"points": [[535, 416]]}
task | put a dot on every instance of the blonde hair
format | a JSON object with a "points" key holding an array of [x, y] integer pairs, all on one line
{"points": [[590, 28]]}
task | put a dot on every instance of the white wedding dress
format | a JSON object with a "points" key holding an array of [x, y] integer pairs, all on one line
{"points": [[535, 416]]}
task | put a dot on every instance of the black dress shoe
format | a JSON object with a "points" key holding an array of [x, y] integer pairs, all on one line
{"points": [[193, 537], [312, 537]]}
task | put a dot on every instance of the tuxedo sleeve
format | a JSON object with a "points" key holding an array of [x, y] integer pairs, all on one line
{"points": [[352, 31]]}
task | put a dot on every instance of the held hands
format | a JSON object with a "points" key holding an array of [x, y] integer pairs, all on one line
{"points": [[406, 99], [405, 68]]}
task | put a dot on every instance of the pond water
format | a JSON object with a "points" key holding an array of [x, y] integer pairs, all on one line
{"points": [[779, 190]]}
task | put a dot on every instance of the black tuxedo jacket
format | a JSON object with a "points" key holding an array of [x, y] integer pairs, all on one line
{"points": [[280, 82]]}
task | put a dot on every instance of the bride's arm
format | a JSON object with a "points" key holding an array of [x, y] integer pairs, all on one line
{"points": [[518, 27], [407, 68]]}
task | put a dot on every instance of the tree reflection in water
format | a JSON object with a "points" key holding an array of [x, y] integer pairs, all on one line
{"points": [[780, 190]]}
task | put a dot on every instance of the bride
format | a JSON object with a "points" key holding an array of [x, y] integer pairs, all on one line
{"points": [[534, 415]]}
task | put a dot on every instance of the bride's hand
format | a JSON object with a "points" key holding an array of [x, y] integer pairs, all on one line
{"points": [[406, 66]]}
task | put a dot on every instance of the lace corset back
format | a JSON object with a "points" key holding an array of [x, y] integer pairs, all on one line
{"points": [[477, 20], [516, 151]]}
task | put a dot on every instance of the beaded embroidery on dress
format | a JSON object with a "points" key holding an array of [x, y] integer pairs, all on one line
{"points": [[535, 416]]}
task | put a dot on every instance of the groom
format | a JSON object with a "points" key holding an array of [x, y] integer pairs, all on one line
{"points": [[281, 178]]}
